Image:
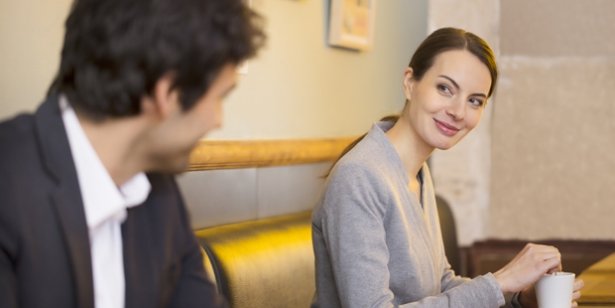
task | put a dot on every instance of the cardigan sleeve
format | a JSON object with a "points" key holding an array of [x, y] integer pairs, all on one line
{"points": [[482, 291]]}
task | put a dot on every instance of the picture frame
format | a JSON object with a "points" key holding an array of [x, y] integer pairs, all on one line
{"points": [[351, 24]]}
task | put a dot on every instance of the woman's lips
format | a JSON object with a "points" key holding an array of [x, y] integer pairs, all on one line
{"points": [[446, 129]]}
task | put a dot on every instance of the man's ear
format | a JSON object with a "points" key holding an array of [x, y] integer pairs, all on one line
{"points": [[164, 99], [408, 83]]}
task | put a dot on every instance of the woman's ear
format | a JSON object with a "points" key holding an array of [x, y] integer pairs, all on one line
{"points": [[164, 98], [408, 83]]}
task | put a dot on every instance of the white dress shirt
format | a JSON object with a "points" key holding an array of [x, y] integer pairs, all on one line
{"points": [[105, 210]]}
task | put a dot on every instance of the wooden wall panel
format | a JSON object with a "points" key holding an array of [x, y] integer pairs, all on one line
{"points": [[211, 155]]}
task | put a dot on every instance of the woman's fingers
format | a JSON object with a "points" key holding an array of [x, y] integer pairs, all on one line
{"points": [[578, 284], [545, 255], [576, 290], [553, 258], [576, 295], [553, 264]]}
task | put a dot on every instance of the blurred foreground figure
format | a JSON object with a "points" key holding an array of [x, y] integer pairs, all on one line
{"points": [[90, 214]]}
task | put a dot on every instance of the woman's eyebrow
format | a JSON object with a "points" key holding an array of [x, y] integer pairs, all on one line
{"points": [[451, 80], [457, 85]]}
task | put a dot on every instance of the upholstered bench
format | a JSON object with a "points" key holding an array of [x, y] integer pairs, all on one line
{"points": [[262, 263]]}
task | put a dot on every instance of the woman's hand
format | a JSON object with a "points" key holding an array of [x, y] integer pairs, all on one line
{"points": [[576, 291], [528, 266]]}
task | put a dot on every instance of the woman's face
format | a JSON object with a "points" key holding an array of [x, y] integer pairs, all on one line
{"points": [[448, 101]]}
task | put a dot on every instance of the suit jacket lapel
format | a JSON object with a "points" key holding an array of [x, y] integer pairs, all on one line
{"points": [[66, 196]]}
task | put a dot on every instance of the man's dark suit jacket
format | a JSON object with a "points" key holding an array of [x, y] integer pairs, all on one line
{"points": [[44, 243]]}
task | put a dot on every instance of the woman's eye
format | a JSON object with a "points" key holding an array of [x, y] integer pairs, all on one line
{"points": [[476, 102], [444, 89]]}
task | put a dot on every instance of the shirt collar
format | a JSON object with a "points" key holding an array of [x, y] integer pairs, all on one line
{"points": [[102, 199]]}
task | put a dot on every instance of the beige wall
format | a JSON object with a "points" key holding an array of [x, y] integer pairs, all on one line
{"points": [[31, 32], [301, 88], [539, 165], [553, 123], [297, 88]]}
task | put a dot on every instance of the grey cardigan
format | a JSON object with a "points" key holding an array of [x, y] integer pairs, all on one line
{"points": [[377, 246]]}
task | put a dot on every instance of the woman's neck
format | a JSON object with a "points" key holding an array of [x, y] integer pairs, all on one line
{"points": [[412, 150]]}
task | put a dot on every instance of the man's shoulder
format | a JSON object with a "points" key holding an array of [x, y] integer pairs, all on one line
{"points": [[21, 173], [15, 127], [17, 138]]}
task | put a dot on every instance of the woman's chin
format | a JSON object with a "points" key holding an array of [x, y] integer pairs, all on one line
{"points": [[445, 145]]}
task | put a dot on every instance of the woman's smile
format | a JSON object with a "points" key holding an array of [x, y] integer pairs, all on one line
{"points": [[445, 128]]}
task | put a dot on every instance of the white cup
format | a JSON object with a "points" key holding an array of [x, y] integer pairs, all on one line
{"points": [[555, 290]]}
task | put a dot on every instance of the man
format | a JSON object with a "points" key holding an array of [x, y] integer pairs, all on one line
{"points": [[89, 213]]}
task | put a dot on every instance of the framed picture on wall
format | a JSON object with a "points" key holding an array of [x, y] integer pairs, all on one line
{"points": [[351, 23]]}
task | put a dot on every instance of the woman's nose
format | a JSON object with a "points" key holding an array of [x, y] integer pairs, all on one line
{"points": [[456, 109]]}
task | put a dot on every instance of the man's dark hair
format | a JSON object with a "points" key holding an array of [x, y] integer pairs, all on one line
{"points": [[116, 50]]}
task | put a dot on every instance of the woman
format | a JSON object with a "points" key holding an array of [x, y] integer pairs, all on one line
{"points": [[376, 233]]}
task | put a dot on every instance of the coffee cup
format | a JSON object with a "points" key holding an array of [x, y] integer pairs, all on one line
{"points": [[555, 290]]}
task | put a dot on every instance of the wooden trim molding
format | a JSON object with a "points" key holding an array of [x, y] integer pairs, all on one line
{"points": [[211, 155]]}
